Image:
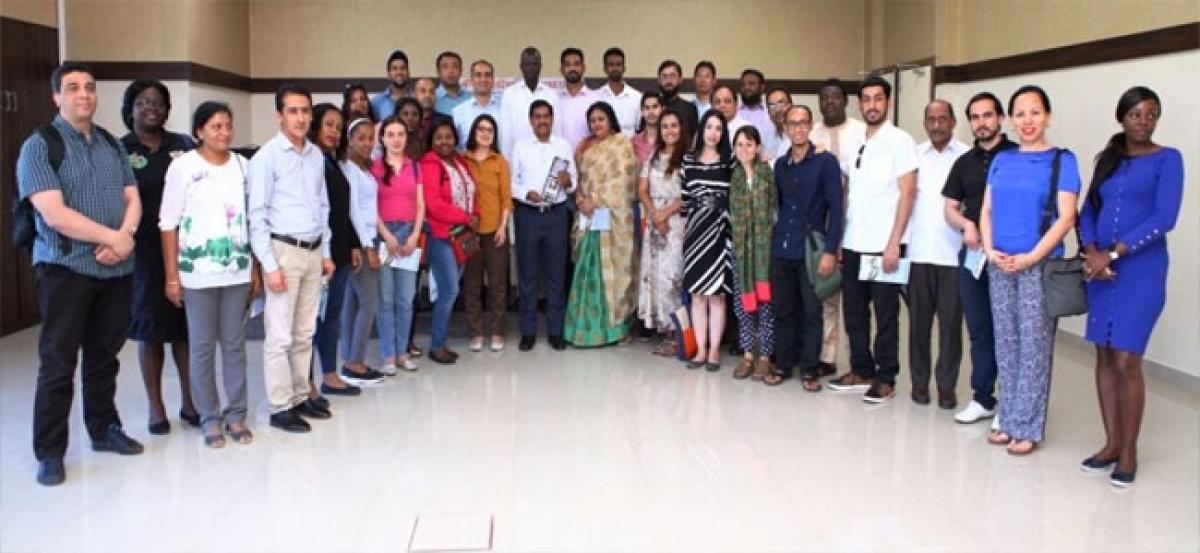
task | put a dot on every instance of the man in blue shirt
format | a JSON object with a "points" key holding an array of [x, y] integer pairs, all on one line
{"points": [[87, 209], [289, 234], [809, 185], [450, 93], [482, 101], [383, 105]]}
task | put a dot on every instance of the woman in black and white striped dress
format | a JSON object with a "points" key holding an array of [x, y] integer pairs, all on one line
{"points": [[707, 240]]}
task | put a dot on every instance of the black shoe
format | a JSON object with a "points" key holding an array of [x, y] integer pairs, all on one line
{"points": [[313, 410], [319, 401], [1096, 464], [289, 421], [558, 343], [117, 442], [51, 472], [1122, 479], [159, 428], [527, 342], [346, 390], [192, 419], [442, 356], [920, 395], [366, 378], [826, 369]]}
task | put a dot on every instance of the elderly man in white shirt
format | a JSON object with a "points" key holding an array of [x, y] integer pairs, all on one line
{"points": [[543, 176], [625, 100], [881, 175], [933, 249], [515, 102]]}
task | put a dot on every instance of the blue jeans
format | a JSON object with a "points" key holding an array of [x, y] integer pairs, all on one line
{"points": [[326, 338], [396, 291], [445, 271], [977, 309]]}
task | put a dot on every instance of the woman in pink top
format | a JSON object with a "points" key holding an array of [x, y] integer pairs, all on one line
{"points": [[450, 194], [401, 215], [646, 139]]}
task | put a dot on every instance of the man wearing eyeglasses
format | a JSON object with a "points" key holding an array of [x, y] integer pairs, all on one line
{"points": [[881, 188], [834, 131]]}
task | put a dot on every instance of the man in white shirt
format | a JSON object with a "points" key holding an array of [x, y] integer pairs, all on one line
{"points": [[542, 219], [776, 143], [482, 101], [574, 99], [934, 246], [882, 182], [515, 102], [725, 100], [834, 130], [625, 100], [753, 108]]}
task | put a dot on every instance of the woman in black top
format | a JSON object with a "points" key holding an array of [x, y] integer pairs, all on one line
{"points": [[326, 132], [153, 320]]}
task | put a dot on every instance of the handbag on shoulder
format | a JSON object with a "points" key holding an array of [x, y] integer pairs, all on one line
{"points": [[1062, 277]]}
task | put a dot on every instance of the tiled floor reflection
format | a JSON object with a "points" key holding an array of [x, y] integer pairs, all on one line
{"points": [[609, 449]]}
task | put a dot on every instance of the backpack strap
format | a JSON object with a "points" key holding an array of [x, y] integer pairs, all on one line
{"points": [[55, 149]]}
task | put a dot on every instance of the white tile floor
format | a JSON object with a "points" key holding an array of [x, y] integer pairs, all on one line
{"points": [[603, 450]]}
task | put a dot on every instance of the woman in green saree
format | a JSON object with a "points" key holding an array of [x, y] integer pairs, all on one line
{"points": [[603, 293]]}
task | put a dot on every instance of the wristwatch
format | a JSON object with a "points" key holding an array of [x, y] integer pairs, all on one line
{"points": [[1113, 255]]}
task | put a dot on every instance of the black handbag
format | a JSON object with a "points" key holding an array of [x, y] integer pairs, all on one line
{"points": [[1062, 277]]}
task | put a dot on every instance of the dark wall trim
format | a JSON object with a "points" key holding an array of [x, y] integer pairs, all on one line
{"points": [[1168, 40], [169, 71]]}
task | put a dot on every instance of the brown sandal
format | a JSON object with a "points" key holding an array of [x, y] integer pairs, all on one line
{"points": [[1021, 447], [743, 369], [773, 379], [811, 383], [761, 369], [999, 438]]}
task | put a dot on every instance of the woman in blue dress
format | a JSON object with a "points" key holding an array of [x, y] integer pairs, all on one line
{"points": [[1132, 202]]}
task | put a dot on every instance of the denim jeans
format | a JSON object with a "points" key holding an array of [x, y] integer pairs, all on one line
{"points": [[445, 271], [326, 338], [396, 291], [358, 313]]}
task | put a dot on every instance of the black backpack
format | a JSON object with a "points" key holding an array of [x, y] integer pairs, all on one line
{"points": [[24, 224]]}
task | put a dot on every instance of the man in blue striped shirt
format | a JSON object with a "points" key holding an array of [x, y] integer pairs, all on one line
{"points": [[88, 209], [289, 234]]}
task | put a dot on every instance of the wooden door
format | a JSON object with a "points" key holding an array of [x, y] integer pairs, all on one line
{"points": [[28, 53]]}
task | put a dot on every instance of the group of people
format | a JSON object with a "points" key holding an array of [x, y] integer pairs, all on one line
{"points": [[674, 214]]}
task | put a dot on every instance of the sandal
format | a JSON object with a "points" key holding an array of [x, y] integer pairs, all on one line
{"points": [[773, 379], [242, 436], [215, 441], [1021, 448], [743, 369], [999, 438], [811, 383], [761, 369]]}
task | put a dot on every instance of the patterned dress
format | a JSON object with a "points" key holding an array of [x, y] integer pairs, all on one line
{"points": [[604, 291], [707, 239], [662, 254]]}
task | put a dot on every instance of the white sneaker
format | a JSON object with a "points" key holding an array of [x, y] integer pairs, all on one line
{"points": [[408, 365], [973, 412], [388, 369], [476, 344]]}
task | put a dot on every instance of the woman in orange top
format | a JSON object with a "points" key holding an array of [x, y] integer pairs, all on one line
{"points": [[494, 200]]}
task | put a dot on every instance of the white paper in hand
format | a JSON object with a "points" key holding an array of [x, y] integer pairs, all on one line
{"points": [[974, 262], [870, 268], [601, 219]]}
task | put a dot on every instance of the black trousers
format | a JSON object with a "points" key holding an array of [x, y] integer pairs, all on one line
{"points": [[543, 249], [858, 299], [798, 321], [933, 290], [78, 312]]}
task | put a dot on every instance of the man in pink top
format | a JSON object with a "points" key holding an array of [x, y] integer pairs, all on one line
{"points": [[575, 98]]}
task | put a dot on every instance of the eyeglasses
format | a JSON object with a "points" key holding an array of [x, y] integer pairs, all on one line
{"points": [[858, 162]]}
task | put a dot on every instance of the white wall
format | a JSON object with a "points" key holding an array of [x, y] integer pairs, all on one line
{"points": [[1084, 102], [185, 97]]}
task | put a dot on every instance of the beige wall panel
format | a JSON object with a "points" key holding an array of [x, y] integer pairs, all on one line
{"points": [[1084, 99], [784, 38], [996, 29], [42, 12], [219, 34], [908, 31], [127, 30]]}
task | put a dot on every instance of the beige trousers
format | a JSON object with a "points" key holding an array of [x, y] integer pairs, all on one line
{"points": [[290, 320]]}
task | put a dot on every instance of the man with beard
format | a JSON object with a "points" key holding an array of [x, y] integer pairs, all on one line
{"points": [[514, 103], [964, 199], [482, 101], [704, 78], [425, 91], [670, 74], [933, 249], [834, 131], [752, 108], [625, 100], [882, 184], [543, 241], [574, 99], [383, 105]]}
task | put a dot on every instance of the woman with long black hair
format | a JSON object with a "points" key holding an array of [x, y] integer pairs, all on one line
{"points": [[1132, 202]]}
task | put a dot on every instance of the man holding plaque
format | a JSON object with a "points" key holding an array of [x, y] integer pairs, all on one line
{"points": [[543, 175]]}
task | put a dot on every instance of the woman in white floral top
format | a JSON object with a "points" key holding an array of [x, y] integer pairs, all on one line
{"points": [[206, 253]]}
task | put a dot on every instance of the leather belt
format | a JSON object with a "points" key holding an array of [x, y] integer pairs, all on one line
{"points": [[306, 244]]}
